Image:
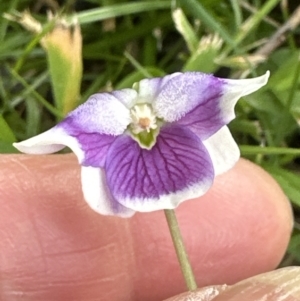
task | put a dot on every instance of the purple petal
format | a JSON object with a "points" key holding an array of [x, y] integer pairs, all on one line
{"points": [[177, 168], [200, 101], [207, 117], [88, 130], [96, 123], [97, 195], [90, 148], [223, 150], [94, 146], [104, 113]]}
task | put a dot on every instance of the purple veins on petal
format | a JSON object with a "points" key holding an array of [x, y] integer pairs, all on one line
{"points": [[186, 91], [200, 101], [178, 167], [192, 99], [188, 112], [93, 145], [205, 118]]}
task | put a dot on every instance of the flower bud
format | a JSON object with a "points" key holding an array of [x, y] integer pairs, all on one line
{"points": [[63, 45], [64, 52]]}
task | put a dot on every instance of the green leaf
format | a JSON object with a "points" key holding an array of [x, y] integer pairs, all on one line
{"points": [[268, 150], [99, 14], [294, 246], [136, 76], [282, 79], [252, 22], [237, 12], [199, 11], [244, 126], [94, 49], [37, 96], [7, 148], [33, 117], [6, 134], [272, 112]]}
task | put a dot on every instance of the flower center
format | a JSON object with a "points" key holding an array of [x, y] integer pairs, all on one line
{"points": [[143, 118], [143, 127], [145, 123]]}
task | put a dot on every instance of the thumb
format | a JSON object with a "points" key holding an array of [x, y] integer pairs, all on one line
{"points": [[279, 285]]}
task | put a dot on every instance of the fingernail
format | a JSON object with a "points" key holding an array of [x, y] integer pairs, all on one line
{"points": [[278, 285], [202, 294]]}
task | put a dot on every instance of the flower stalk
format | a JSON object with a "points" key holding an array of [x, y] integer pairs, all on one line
{"points": [[181, 253]]}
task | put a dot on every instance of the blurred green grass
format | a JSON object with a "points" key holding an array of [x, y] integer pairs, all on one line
{"points": [[124, 41]]}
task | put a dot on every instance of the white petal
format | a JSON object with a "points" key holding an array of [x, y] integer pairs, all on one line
{"points": [[234, 89], [49, 142], [148, 88], [126, 96], [97, 195], [223, 150], [168, 201], [103, 113]]}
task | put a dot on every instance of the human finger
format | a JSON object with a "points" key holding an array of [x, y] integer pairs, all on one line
{"points": [[54, 247], [278, 285]]}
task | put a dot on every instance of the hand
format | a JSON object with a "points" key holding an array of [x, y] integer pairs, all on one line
{"points": [[282, 284], [54, 247]]}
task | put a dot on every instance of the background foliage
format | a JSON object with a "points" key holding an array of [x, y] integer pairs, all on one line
{"points": [[124, 41]]}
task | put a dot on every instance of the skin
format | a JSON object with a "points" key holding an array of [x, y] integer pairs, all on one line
{"points": [[282, 284], [54, 247]]}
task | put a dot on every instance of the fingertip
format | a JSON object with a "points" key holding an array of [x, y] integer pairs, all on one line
{"points": [[282, 284], [240, 228]]}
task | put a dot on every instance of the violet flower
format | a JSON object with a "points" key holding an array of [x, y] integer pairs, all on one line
{"points": [[153, 146]]}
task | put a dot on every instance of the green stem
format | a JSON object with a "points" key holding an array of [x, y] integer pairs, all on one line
{"points": [[182, 256]]}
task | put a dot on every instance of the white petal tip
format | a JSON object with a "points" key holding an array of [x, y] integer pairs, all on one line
{"points": [[265, 77], [21, 147], [50, 142], [31, 147], [253, 84]]}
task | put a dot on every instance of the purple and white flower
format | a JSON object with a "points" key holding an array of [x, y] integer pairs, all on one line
{"points": [[153, 146]]}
